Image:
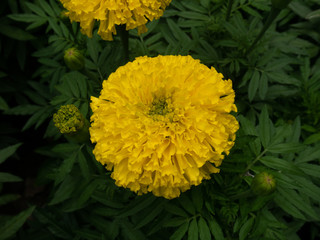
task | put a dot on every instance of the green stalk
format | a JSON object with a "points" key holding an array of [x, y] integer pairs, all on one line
{"points": [[272, 16], [230, 2], [124, 35]]}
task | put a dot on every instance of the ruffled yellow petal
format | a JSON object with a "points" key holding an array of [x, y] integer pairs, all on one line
{"points": [[163, 124], [132, 13]]}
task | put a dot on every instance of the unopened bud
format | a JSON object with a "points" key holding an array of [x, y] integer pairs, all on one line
{"points": [[263, 184], [71, 123], [74, 59], [280, 4]]}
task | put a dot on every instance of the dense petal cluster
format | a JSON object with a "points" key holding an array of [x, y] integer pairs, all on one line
{"points": [[163, 124], [132, 13], [68, 119]]}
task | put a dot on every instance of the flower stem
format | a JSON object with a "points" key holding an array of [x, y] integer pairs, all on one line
{"points": [[272, 16], [230, 2], [124, 35]]}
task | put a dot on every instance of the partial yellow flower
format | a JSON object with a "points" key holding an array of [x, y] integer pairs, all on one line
{"points": [[163, 124], [132, 13]]}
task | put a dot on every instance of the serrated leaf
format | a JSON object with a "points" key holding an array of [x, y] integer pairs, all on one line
{"points": [[193, 230], [130, 232], [197, 198], [15, 33], [83, 165], [65, 190], [296, 200], [8, 177], [3, 104], [180, 232], [174, 209], [7, 198], [13, 224], [245, 229], [215, 229], [264, 127], [5, 153], [187, 204], [65, 168], [253, 85], [312, 139], [286, 148], [288, 207], [151, 215], [204, 231], [263, 86], [137, 206], [280, 164]]}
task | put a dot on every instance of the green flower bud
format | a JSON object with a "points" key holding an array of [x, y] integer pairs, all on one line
{"points": [[280, 4], [263, 184], [71, 123], [74, 59]]}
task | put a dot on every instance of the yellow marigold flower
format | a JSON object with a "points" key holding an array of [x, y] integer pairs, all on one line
{"points": [[132, 13], [163, 124]]}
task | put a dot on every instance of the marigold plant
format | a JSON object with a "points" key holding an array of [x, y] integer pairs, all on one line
{"points": [[132, 13], [163, 124]]}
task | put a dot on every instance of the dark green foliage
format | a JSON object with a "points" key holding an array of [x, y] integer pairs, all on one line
{"points": [[277, 87]]}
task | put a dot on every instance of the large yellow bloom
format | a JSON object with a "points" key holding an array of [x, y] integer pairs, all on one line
{"points": [[132, 13], [162, 124]]}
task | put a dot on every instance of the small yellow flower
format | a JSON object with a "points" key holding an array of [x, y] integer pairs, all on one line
{"points": [[132, 13], [163, 124]]}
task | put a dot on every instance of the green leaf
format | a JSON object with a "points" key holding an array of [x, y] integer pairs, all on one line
{"points": [[7, 177], [312, 139], [310, 169], [187, 204], [180, 232], [175, 210], [263, 86], [140, 204], [296, 200], [286, 148], [280, 164], [313, 14], [264, 127], [204, 231], [130, 232], [253, 85], [151, 215], [6, 198], [215, 229], [83, 165], [15, 33], [288, 207], [13, 224], [197, 198], [3, 104], [65, 168], [5, 153], [245, 229], [175, 222], [65, 190], [193, 230], [45, 6]]}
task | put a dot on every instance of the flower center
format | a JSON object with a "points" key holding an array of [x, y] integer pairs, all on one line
{"points": [[161, 109]]}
